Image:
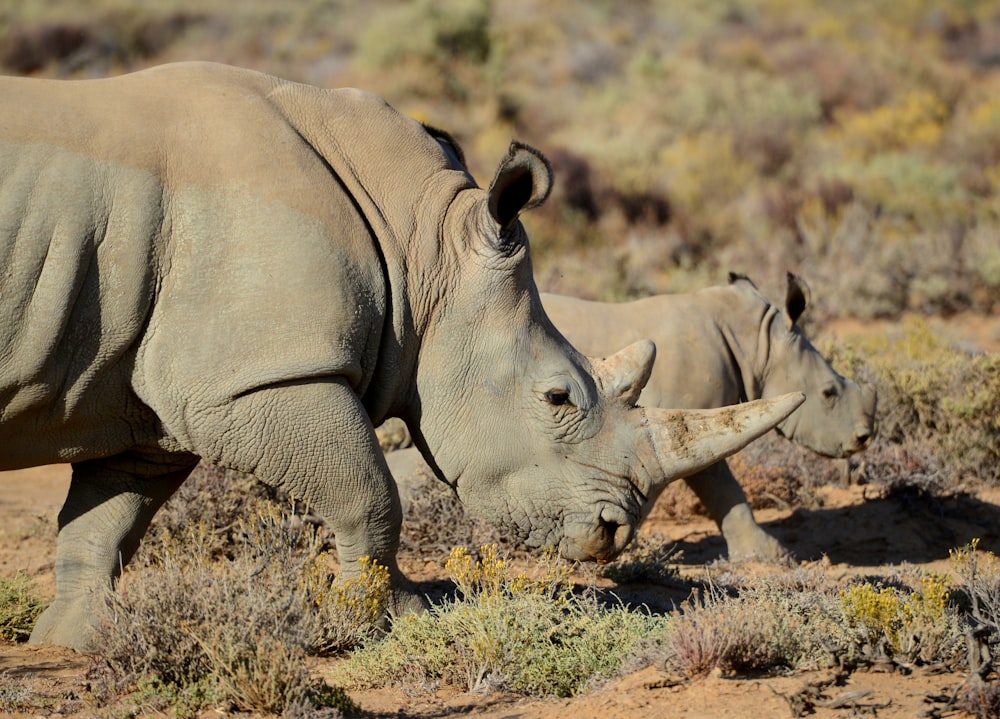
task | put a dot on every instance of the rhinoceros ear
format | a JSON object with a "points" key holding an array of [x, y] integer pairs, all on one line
{"points": [[522, 181], [796, 298], [735, 277]]}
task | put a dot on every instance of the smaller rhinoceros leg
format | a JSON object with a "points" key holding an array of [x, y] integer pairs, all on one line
{"points": [[107, 510], [727, 504]]}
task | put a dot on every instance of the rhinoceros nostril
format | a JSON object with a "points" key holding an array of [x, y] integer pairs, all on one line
{"points": [[617, 531], [609, 529], [863, 439]]}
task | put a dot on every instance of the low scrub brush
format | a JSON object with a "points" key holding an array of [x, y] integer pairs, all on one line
{"points": [[800, 622], [936, 397], [508, 630], [236, 631], [19, 608]]}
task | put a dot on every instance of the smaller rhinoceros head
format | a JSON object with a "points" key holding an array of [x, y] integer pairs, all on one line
{"points": [[533, 435], [837, 418]]}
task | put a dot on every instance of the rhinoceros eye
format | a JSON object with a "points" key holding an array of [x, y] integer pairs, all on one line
{"points": [[557, 397], [830, 392]]}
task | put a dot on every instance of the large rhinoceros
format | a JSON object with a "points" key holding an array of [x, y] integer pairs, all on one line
{"points": [[723, 345], [200, 261]]}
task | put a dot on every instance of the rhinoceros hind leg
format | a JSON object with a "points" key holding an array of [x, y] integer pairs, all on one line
{"points": [[727, 504], [107, 510]]}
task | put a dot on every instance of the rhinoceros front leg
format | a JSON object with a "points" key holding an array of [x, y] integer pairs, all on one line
{"points": [[107, 510], [315, 440], [727, 504]]}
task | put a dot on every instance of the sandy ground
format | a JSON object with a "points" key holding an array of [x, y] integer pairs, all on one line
{"points": [[857, 530]]}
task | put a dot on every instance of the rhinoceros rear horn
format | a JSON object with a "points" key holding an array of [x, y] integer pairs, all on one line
{"points": [[624, 374], [522, 182], [688, 441]]}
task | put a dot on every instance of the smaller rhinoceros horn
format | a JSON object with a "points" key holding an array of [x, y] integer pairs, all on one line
{"points": [[688, 441]]}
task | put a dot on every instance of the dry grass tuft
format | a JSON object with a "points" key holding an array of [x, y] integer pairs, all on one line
{"points": [[193, 629], [19, 608]]}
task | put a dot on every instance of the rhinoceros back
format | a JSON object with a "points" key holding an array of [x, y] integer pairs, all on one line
{"points": [[75, 289]]}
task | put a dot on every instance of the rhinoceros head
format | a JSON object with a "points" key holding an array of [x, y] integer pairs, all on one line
{"points": [[542, 440], [837, 418]]}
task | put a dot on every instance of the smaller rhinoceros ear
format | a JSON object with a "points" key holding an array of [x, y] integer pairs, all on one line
{"points": [[796, 298], [522, 181]]}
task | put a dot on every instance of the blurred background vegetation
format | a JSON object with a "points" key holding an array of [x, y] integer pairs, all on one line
{"points": [[856, 143]]}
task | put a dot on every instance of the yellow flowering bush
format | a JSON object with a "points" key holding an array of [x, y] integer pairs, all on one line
{"points": [[489, 575], [915, 120], [347, 612], [902, 624]]}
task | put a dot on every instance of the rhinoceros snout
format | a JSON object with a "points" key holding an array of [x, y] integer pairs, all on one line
{"points": [[602, 540], [852, 444]]}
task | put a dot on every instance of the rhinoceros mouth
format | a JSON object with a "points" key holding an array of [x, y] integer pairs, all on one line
{"points": [[600, 535], [602, 539], [844, 449]]}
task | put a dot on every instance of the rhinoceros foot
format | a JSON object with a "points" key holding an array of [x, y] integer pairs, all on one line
{"points": [[747, 541], [67, 625], [406, 601]]}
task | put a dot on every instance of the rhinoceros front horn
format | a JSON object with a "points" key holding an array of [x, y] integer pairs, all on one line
{"points": [[688, 441]]}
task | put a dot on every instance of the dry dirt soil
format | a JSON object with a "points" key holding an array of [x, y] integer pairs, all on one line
{"points": [[857, 530]]}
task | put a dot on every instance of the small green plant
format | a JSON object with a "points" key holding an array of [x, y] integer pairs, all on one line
{"points": [[19, 608], [528, 634]]}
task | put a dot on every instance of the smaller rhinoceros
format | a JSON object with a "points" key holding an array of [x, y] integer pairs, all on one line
{"points": [[723, 345]]}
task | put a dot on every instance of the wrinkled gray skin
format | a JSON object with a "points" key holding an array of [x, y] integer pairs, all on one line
{"points": [[199, 261], [723, 345]]}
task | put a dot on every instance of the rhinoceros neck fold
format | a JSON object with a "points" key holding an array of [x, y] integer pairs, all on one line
{"points": [[748, 343], [389, 166]]}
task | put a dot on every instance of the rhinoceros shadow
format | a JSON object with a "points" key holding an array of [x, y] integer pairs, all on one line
{"points": [[905, 524]]}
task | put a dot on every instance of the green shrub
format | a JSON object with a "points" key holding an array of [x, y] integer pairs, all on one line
{"points": [[505, 630], [19, 608]]}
